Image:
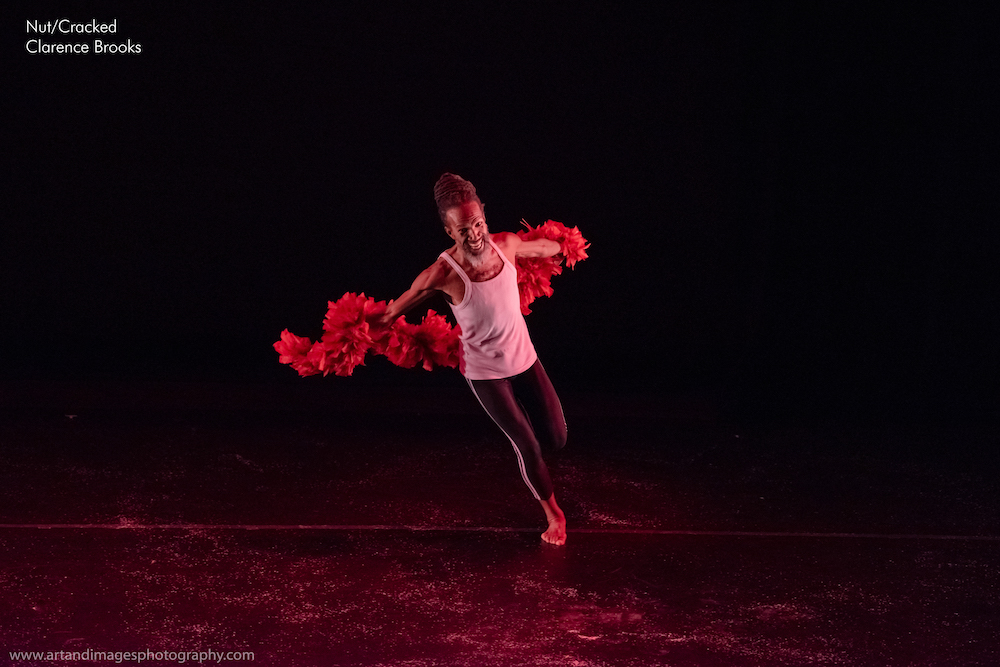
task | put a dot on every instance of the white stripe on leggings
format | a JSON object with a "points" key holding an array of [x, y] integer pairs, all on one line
{"points": [[520, 460]]}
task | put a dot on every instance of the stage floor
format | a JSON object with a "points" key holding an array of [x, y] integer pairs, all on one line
{"points": [[331, 524]]}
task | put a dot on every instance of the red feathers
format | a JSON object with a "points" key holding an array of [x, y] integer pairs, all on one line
{"points": [[434, 342], [348, 334], [347, 337], [534, 274], [294, 350], [534, 278], [572, 245]]}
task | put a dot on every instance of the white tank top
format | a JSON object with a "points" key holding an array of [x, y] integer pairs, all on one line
{"points": [[494, 341]]}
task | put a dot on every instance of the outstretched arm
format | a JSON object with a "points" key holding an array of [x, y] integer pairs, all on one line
{"points": [[538, 248], [427, 283], [513, 245]]}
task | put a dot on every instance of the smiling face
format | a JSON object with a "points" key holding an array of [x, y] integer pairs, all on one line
{"points": [[466, 224]]}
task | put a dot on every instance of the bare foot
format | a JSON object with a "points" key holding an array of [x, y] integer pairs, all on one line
{"points": [[556, 534]]}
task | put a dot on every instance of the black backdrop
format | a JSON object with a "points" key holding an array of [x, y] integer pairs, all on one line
{"points": [[787, 204]]}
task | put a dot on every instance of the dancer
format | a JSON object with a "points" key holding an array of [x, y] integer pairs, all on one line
{"points": [[479, 280]]}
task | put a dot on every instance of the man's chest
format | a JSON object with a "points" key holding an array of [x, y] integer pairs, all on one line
{"points": [[487, 271]]}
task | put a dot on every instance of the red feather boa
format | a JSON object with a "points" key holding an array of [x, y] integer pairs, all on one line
{"points": [[348, 335]]}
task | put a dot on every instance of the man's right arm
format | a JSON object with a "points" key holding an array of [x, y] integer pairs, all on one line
{"points": [[427, 283]]}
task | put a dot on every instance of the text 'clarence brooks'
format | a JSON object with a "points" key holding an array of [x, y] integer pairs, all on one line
{"points": [[38, 45]]}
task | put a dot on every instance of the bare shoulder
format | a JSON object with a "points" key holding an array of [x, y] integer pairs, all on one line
{"points": [[506, 240]]}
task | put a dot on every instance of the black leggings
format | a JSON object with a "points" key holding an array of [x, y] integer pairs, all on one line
{"points": [[527, 410]]}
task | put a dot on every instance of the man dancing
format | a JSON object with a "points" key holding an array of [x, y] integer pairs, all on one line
{"points": [[479, 280]]}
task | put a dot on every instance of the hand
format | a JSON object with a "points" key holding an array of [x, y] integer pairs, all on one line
{"points": [[385, 320]]}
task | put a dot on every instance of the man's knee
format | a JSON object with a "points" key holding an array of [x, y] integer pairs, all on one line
{"points": [[556, 439]]}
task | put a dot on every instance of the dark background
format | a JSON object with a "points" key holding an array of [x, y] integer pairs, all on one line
{"points": [[791, 207]]}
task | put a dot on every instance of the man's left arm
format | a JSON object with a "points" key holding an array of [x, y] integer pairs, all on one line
{"points": [[514, 246]]}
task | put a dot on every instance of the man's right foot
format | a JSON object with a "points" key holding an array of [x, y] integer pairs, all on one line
{"points": [[556, 534]]}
